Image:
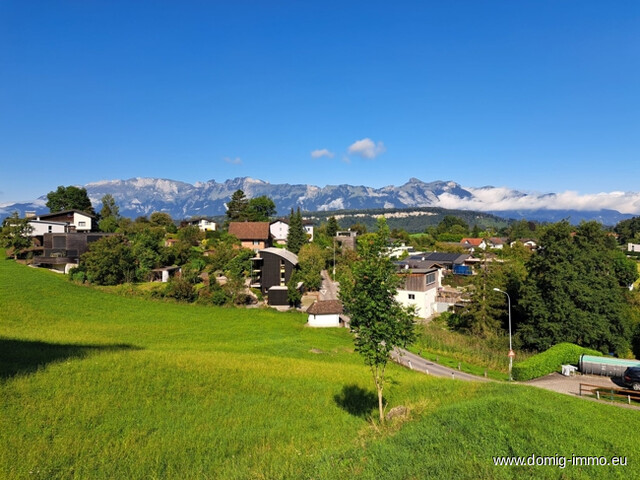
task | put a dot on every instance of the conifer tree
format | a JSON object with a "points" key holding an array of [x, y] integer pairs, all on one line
{"points": [[296, 236], [332, 227]]}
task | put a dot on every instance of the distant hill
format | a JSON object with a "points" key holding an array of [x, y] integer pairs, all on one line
{"points": [[143, 196]]}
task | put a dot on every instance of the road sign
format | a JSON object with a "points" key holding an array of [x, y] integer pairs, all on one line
{"points": [[512, 354], [323, 291]]}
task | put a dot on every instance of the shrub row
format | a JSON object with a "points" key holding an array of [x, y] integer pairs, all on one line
{"points": [[550, 361]]}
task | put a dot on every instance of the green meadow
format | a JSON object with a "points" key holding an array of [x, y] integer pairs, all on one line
{"points": [[100, 386]]}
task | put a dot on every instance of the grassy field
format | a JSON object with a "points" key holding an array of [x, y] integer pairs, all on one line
{"points": [[94, 385]]}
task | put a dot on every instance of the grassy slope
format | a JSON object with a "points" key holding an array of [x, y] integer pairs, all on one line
{"points": [[100, 386]]}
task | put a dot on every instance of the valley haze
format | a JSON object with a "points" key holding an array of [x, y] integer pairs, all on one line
{"points": [[143, 196]]}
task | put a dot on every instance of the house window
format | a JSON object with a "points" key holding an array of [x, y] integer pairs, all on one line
{"points": [[82, 224], [431, 278], [50, 229], [412, 296], [256, 243]]}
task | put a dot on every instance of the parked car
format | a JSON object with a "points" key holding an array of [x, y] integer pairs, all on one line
{"points": [[631, 378]]}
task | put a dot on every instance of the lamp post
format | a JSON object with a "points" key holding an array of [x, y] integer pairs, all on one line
{"points": [[334, 259], [511, 352]]}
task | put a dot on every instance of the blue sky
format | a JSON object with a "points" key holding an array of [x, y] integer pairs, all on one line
{"points": [[537, 96]]}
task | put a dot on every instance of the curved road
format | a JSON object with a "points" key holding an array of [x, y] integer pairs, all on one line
{"points": [[415, 362]]}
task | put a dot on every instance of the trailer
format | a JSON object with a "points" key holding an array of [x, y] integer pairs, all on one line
{"points": [[605, 366]]}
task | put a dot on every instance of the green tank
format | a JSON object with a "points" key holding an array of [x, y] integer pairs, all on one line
{"points": [[606, 366]]}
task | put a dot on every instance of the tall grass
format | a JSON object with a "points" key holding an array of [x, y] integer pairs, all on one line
{"points": [[474, 354], [99, 386]]}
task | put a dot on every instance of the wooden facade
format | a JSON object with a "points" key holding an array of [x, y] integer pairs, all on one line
{"points": [[62, 248], [273, 267]]}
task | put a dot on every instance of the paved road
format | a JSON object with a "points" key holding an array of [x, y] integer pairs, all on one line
{"points": [[415, 362], [329, 289]]}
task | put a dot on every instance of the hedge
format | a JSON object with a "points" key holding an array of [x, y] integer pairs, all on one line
{"points": [[550, 361]]}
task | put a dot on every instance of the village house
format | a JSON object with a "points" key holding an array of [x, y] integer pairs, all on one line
{"points": [[75, 221], [419, 288], [633, 247], [204, 224], [325, 313], [62, 251], [347, 239], [279, 230], [472, 244], [454, 262], [252, 235]]}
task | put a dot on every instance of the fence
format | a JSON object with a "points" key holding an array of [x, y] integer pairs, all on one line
{"points": [[601, 392]]}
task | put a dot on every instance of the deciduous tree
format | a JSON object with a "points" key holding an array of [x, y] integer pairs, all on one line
{"points": [[69, 198], [572, 292], [260, 209], [109, 214], [378, 321], [15, 233]]}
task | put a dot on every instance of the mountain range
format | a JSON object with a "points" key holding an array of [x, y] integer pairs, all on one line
{"points": [[143, 196]]}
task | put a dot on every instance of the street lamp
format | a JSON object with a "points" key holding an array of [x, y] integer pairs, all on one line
{"points": [[334, 259], [511, 352]]}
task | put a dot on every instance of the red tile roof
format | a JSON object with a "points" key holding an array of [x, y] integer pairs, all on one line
{"points": [[471, 241]]}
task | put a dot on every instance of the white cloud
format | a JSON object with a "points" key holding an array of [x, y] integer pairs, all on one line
{"points": [[233, 161], [501, 198], [322, 153], [366, 148]]}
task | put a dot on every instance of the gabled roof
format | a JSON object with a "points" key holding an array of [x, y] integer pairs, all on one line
{"points": [[498, 240], [325, 307], [286, 220], [472, 241], [65, 212], [47, 222], [250, 230]]}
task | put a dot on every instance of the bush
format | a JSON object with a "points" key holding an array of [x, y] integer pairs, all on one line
{"points": [[550, 361], [181, 290], [77, 275]]}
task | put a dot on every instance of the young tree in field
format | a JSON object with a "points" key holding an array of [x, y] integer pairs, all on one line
{"points": [[15, 233], [69, 198], [379, 323], [296, 237]]}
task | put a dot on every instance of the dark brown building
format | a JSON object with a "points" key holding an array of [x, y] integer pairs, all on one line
{"points": [[271, 270], [60, 249]]}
